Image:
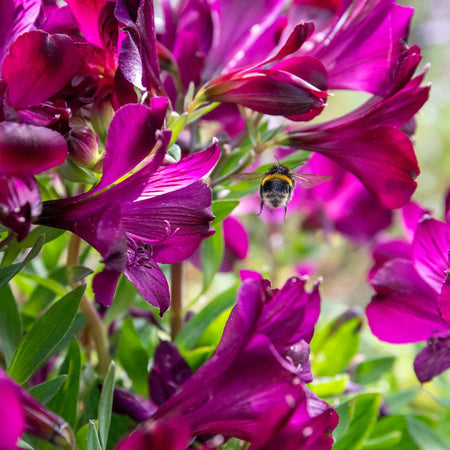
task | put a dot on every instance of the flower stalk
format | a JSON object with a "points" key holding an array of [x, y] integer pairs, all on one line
{"points": [[176, 284]]}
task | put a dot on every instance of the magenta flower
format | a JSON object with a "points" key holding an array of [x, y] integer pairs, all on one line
{"points": [[157, 215], [369, 142], [258, 371], [342, 204], [412, 302], [20, 413]]}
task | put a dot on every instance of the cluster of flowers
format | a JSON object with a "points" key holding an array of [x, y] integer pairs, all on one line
{"points": [[109, 67]]}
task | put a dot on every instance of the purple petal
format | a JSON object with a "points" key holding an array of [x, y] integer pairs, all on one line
{"points": [[183, 173], [431, 245], [404, 308], [434, 358], [135, 406], [382, 158], [17, 17], [172, 434], [270, 91], [28, 150], [20, 201], [235, 20], [131, 136], [140, 22], [141, 269], [174, 223], [38, 65], [236, 243], [86, 13], [189, 59], [298, 354], [12, 416], [412, 214], [168, 374], [444, 298], [386, 251]]}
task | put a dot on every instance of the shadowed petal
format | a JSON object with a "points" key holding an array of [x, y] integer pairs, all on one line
{"points": [[135, 406], [38, 65], [444, 298], [405, 307], [28, 150], [431, 246], [412, 214], [16, 18], [434, 358]]}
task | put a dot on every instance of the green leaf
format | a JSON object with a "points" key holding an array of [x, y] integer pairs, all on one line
{"points": [[93, 442], [66, 400], [383, 442], [222, 209], [384, 430], [362, 410], [105, 404], [49, 235], [190, 334], [7, 273], [70, 171], [77, 273], [52, 251], [133, 357], [37, 345], [373, 369], [326, 386], [176, 126], [424, 436], [10, 324], [45, 391], [125, 294], [82, 437], [198, 356], [334, 345], [48, 283], [175, 152], [212, 252]]}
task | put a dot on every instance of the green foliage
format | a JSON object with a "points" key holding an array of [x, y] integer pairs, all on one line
{"points": [[105, 404], [45, 391], [38, 344], [212, 251], [10, 324]]}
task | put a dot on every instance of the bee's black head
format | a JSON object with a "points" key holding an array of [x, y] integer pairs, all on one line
{"points": [[279, 168]]}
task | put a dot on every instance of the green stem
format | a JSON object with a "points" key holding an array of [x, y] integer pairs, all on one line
{"points": [[176, 303], [95, 324]]}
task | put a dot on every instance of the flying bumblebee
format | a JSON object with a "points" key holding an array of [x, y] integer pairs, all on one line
{"points": [[278, 183]]}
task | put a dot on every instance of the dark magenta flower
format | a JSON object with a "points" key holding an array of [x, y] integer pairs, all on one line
{"points": [[156, 215], [342, 204], [369, 142], [411, 302], [20, 412], [258, 371]]}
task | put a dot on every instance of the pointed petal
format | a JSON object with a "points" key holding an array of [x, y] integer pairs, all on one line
{"points": [[38, 65], [131, 137], [28, 150], [405, 307], [431, 245], [434, 359]]}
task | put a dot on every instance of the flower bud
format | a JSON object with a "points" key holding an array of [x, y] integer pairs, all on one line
{"points": [[83, 146]]}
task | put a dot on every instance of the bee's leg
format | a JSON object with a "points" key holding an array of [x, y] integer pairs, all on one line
{"points": [[261, 207], [285, 210]]}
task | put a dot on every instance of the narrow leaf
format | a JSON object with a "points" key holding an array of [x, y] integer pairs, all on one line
{"points": [[105, 404], [222, 209], [45, 391], [212, 251], [37, 345], [93, 442], [10, 324], [8, 272]]}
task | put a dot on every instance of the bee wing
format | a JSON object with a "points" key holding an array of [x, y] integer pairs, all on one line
{"points": [[249, 176], [307, 180]]}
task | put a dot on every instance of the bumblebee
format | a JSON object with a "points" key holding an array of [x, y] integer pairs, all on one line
{"points": [[278, 184]]}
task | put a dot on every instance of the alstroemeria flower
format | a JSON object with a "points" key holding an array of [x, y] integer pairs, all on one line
{"points": [[362, 44], [20, 413], [151, 216], [341, 205], [259, 369], [369, 142], [412, 302]]}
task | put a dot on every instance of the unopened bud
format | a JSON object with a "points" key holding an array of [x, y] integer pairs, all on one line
{"points": [[83, 146]]}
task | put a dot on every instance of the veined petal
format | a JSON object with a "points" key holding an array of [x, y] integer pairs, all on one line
{"points": [[181, 174], [431, 246], [38, 65], [131, 136], [28, 149], [434, 358], [405, 307], [17, 17]]}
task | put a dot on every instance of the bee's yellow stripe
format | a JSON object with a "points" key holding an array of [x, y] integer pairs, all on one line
{"points": [[278, 176]]}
